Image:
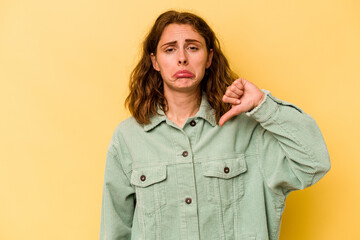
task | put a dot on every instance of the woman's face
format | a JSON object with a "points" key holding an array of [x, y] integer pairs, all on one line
{"points": [[181, 57]]}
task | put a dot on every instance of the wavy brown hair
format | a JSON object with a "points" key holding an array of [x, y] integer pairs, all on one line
{"points": [[146, 85]]}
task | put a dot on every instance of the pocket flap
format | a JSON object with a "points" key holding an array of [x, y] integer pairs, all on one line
{"points": [[147, 176], [225, 168]]}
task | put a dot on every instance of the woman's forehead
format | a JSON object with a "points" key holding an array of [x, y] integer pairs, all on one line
{"points": [[179, 32]]}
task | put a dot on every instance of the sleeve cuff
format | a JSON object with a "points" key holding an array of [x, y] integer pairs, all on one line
{"points": [[265, 109]]}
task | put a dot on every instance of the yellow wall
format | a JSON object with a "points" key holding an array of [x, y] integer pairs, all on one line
{"points": [[64, 68]]}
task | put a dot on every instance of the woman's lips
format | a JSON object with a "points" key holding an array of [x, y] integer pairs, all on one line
{"points": [[184, 74]]}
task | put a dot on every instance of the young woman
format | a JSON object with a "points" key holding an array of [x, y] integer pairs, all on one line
{"points": [[204, 155]]}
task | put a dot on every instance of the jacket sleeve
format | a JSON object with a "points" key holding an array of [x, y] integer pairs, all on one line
{"points": [[293, 154], [118, 201]]}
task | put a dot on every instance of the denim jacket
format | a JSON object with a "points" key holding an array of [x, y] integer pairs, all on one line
{"points": [[207, 182]]}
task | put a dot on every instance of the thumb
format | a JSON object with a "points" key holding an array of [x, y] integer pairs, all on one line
{"points": [[231, 113]]}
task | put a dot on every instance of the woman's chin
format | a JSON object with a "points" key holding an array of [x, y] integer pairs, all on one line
{"points": [[185, 87]]}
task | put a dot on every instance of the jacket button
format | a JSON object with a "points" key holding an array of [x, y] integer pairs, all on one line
{"points": [[226, 170], [143, 178], [188, 200], [185, 153], [192, 123]]}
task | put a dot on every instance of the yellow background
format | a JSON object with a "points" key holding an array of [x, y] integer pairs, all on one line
{"points": [[64, 68]]}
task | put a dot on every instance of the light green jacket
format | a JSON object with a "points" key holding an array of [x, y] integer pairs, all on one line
{"points": [[207, 182]]}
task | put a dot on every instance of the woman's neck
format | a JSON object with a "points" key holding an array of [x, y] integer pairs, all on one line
{"points": [[182, 105]]}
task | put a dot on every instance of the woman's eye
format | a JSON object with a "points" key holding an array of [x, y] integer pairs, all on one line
{"points": [[193, 48], [169, 50]]}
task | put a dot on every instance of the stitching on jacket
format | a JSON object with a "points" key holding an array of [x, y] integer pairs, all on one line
{"points": [[297, 141]]}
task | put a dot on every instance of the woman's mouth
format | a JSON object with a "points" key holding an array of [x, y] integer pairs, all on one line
{"points": [[184, 74]]}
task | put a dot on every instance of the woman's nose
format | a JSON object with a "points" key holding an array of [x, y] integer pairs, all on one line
{"points": [[182, 58]]}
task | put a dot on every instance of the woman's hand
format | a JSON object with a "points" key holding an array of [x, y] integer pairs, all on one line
{"points": [[244, 96]]}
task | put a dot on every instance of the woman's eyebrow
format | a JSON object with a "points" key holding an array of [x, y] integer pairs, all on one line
{"points": [[192, 40], [186, 40], [169, 43]]}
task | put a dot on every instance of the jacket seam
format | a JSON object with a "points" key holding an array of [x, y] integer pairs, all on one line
{"points": [[307, 150], [261, 155], [126, 171], [295, 139]]}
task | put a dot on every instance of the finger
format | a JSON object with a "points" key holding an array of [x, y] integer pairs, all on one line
{"points": [[234, 91], [231, 100], [240, 84], [231, 113], [224, 118], [227, 116]]}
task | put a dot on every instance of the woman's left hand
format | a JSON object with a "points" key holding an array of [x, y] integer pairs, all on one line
{"points": [[244, 96]]}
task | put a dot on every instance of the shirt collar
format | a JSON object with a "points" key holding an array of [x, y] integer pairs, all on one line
{"points": [[155, 120], [205, 111]]}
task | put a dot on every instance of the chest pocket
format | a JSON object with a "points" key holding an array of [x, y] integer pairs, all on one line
{"points": [[224, 179], [150, 188]]}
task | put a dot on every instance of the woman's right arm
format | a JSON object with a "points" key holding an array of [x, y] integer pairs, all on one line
{"points": [[118, 200]]}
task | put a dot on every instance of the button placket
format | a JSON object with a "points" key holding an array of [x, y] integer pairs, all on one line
{"points": [[185, 172]]}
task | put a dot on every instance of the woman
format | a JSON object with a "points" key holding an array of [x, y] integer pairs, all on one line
{"points": [[204, 155]]}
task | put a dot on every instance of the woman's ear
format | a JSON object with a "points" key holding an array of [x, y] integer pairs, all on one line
{"points": [[154, 62], [209, 60]]}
